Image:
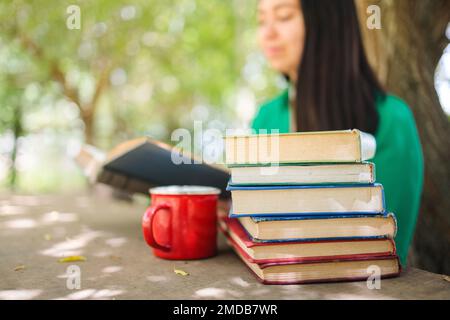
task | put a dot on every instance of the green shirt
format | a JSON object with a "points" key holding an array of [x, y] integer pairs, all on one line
{"points": [[398, 160]]}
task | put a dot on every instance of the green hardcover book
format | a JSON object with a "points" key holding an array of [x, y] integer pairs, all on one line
{"points": [[349, 146]]}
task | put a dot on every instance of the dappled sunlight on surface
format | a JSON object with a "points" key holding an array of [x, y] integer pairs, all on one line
{"points": [[55, 216], [102, 254], [34, 219], [30, 200], [116, 242], [240, 282], [119, 264], [18, 224], [217, 293], [211, 293], [364, 292], [112, 269], [8, 210], [72, 246], [65, 227], [92, 294], [19, 294]]}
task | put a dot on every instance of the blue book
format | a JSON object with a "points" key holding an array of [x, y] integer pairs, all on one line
{"points": [[299, 200]]}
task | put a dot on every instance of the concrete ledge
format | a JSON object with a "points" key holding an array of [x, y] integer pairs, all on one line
{"points": [[35, 231]]}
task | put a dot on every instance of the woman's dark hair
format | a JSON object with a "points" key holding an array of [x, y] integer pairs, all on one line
{"points": [[336, 88]]}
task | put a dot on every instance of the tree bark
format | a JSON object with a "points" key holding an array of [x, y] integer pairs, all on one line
{"points": [[405, 53], [18, 132]]}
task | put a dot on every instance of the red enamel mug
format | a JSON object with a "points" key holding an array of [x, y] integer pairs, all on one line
{"points": [[181, 223]]}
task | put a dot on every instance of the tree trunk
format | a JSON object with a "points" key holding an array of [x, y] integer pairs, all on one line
{"points": [[89, 132], [17, 132], [405, 54], [87, 110]]}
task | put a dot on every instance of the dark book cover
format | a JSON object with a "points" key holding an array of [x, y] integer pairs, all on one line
{"points": [[140, 164]]}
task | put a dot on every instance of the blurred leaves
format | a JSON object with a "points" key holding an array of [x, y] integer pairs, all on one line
{"points": [[180, 272], [159, 59], [19, 268], [141, 67]]}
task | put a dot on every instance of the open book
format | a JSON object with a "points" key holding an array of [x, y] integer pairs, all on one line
{"points": [[139, 164]]}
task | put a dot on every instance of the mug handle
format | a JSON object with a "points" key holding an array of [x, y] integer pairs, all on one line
{"points": [[147, 226]]}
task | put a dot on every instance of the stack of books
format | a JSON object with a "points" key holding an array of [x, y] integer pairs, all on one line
{"points": [[306, 208]]}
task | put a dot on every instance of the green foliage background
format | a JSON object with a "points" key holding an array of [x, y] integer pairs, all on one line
{"points": [[141, 67]]}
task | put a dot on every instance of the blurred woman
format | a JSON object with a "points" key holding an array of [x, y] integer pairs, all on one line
{"points": [[317, 46]]}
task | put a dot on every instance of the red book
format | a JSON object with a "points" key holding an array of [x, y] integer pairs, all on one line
{"points": [[298, 262], [301, 250]]}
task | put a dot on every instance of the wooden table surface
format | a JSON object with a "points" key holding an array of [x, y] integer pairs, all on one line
{"points": [[35, 231]]}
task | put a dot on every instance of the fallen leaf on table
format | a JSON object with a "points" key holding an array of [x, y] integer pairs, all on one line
{"points": [[446, 278], [180, 272], [19, 268], [72, 259]]}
